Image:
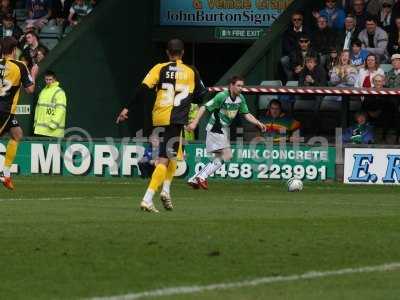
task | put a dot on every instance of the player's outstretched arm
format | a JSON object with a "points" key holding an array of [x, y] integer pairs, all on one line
{"points": [[192, 126], [253, 120]]}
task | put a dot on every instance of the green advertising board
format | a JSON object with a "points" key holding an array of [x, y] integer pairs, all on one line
{"points": [[226, 33], [109, 158]]}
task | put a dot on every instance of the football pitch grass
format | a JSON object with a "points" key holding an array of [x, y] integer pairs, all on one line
{"points": [[80, 238]]}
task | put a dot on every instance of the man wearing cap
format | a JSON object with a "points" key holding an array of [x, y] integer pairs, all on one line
{"points": [[393, 81], [393, 76]]}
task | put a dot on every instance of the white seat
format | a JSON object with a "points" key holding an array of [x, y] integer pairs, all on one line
{"points": [[49, 43], [386, 67], [264, 100]]}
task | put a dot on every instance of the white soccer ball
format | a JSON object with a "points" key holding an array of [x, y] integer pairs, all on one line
{"points": [[294, 185]]}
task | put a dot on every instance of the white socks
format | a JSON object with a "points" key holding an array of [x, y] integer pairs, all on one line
{"points": [[148, 197], [166, 186], [6, 172], [210, 168]]}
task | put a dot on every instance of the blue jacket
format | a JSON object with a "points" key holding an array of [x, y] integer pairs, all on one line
{"points": [[338, 23], [359, 134]]}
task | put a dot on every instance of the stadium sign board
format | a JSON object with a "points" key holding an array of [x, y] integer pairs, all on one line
{"points": [[245, 13], [372, 166], [121, 159], [223, 33]]}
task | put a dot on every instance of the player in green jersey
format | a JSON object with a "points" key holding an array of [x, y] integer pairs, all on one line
{"points": [[223, 108]]}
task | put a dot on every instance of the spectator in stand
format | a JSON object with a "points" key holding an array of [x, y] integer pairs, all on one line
{"points": [[149, 160], [373, 7], [332, 59], [393, 81], [359, 12], [9, 28], [6, 9], [373, 104], [385, 15], [78, 10], [323, 39], [39, 12], [368, 72], [298, 58], [290, 41], [393, 76], [312, 74], [358, 55], [343, 74], [60, 11], [360, 133], [348, 34], [31, 47], [41, 54], [395, 10], [394, 38], [374, 39], [334, 16], [279, 126]]}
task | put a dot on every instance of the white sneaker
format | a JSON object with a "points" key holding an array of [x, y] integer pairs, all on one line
{"points": [[166, 200], [148, 208], [193, 183]]}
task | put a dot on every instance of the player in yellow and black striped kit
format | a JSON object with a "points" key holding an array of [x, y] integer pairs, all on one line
{"points": [[13, 75], [177, 85]]}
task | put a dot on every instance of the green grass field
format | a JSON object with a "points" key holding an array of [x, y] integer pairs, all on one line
{"points": [[78, 238]]}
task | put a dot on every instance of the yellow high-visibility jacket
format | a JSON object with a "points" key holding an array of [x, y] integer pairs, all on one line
{"points": [[51, 111]]}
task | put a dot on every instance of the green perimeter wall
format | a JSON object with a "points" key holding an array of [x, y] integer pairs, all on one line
{"points": [[99, 64]]}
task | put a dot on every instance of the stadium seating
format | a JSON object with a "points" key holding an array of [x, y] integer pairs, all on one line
{"points": [[50, 43], [386, 67], [264, 100]]}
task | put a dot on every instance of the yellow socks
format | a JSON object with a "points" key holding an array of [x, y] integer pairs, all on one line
{"points": [[170, 176], [11, 152]]}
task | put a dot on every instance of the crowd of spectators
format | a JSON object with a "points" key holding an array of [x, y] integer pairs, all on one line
{"points": [[344, 45], [60, 15]]}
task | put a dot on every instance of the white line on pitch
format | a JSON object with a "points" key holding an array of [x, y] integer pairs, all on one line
{"points": [[255, 282], [64, 198]]}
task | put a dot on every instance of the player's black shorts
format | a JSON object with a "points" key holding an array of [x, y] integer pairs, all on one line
{"points": [[169, 140], [7, 121]]}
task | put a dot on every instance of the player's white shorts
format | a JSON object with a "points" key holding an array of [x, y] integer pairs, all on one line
{"points": [[217, 141]]}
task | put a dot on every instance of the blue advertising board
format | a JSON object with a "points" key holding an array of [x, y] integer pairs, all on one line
{"points": [[244, 13]]}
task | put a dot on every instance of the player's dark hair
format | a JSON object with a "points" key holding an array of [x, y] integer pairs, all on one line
{"points": [[235, 79], [371, 18], [356, 42], [8, 45], [50, 73], [175, 47]]}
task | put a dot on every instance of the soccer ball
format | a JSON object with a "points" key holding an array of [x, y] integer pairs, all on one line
{"points": [[294, 185]]}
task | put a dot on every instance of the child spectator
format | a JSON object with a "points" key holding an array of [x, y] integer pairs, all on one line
{"points": [[361, 132], [297, 58], [358, 55], [312, 74]]}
